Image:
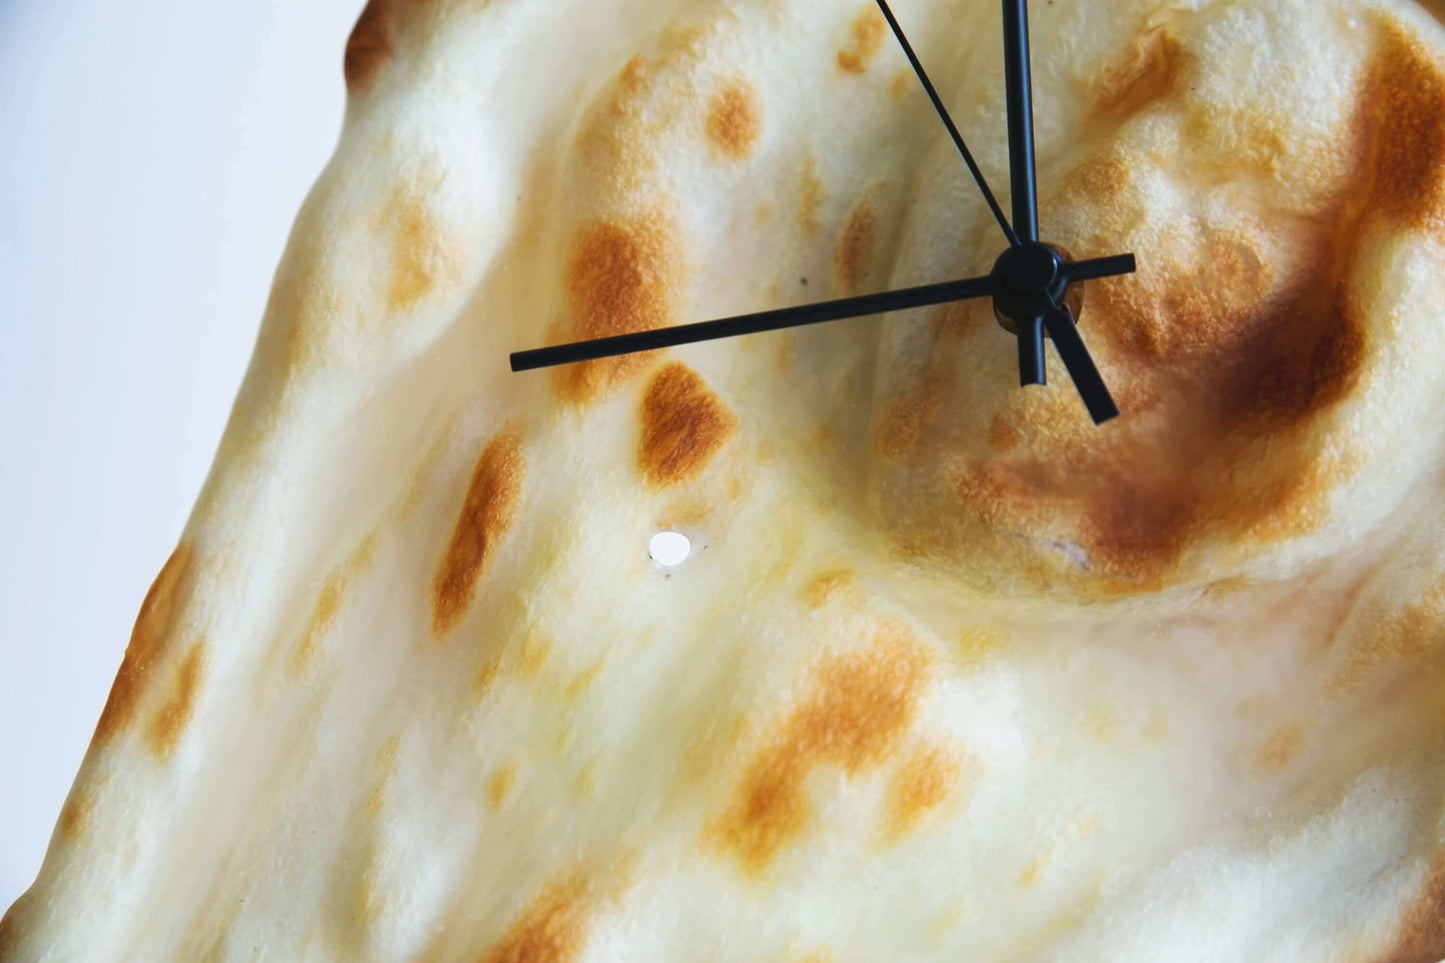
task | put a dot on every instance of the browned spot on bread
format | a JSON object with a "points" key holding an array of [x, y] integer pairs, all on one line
{"points": [[901, 428], [368, 47], [734, 120], [1230, 587], [147, 641], [75, 814], [976, 645], [552, 930], [633, 73], [485, 517], [315, 324], [858, 708], [486, 675], [322, 615], [385, 765], [810, 197], [1280, 748], [500, 786], [1003, 433], [1393, 639], [853, 257], [902, 84], [1098, 179], [532, 654], [1422, 939], [583, 680], [1404, 107], [367, 903], [170, 720], [10, 925], [1150, 74], [866, 36], [683, 425], [830, 586], [622, 276], [925, 780], [421, 256], [328, 603]]}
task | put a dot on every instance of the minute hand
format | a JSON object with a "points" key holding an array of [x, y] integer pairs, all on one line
{"points": [[1017, 85], [752, 323], [980, 287]]}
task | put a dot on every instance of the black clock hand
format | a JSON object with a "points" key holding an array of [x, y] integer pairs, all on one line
{"points": [[948, 122], [1076, 358], [1098, 267], [979, 287], [1017, 84], [1031, 335], [751, 323]]}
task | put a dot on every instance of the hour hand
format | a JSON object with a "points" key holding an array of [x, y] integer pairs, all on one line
{"points": [[752, 323], [1087, 379]]}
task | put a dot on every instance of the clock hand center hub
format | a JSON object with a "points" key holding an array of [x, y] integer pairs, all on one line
{"points": [[1029, 276], [1028, 270]]}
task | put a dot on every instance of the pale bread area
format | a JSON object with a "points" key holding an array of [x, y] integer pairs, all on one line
{"points": [[950, 673]]}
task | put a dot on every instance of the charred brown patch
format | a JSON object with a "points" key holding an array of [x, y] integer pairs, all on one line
{"points": [[901, 85], [10, 925], [75, 814], [623, 276], [485, 678], [902, 427], [148, 641], [486, 515], [384, 764], [810, 197], [1422, 939], [1003, 433], [552, 930], [866, 39], [1149, 74], [924, 782], [859, 707], [368, 47], [734, 120], [977, 645], [323, 614], [328, 604], [831, 586], [1099, 178], [853, 257], [170, 719], [1409, 636], [420, 260], [1402, 110], [1280, 748], [683, 425], [499, 787]]}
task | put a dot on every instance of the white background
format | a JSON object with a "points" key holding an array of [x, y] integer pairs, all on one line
{"points": [[152, 156]]}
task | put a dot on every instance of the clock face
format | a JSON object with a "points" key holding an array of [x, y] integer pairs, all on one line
{"points": [[826, 641]]}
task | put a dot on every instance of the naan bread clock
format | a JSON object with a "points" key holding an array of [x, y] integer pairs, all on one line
{"points": [[1143, 662]]}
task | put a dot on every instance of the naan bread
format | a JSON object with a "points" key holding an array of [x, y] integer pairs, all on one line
{"points": [[951, 674]]}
